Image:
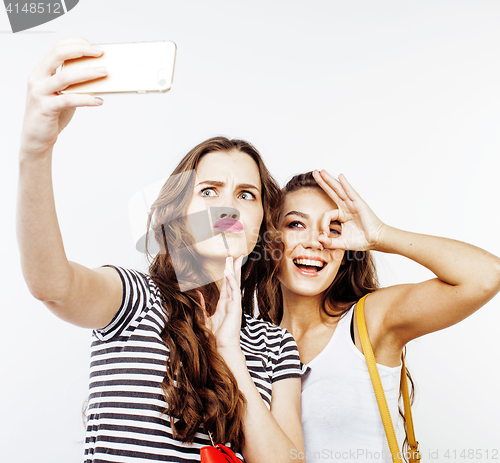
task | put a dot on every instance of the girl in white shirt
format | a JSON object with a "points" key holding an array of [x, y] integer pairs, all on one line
{"points": [[328, 232]]}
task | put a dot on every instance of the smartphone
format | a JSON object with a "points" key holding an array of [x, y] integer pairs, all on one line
{"points": [[132, 67]]}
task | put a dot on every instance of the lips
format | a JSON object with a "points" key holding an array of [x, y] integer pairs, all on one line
{"points": [[308, 265], [231, 225]]}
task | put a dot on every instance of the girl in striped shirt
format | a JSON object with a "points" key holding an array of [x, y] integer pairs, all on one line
{"points": [[173, 358]]}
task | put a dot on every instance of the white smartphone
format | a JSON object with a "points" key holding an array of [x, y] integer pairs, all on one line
{"points": [[132, 67]]}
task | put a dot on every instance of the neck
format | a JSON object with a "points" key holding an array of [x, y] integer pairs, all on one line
{"points": [[215, 268], [301, 313]]}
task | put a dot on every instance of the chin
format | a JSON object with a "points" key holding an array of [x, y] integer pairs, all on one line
{"points": [[238, 245], [304, 286], [215, 248], [307, 290]]}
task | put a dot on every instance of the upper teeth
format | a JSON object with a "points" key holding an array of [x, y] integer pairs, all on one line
{"points": [[316, 263]]}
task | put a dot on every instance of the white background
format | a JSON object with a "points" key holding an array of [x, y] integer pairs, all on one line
{"points": [[402, 97]]}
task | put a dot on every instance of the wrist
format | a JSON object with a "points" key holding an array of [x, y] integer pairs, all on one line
{"points": [[382, 243], [231, 354], [29, 155]]}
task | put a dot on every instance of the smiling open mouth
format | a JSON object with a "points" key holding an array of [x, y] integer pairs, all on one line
{"points": [[309, 266]]}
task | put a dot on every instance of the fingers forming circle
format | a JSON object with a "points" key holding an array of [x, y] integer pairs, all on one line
{"points": [[329, 217]]}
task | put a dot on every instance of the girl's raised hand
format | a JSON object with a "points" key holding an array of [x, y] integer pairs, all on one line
{"points": [[47, 111], [361, 228], [225, 324]]}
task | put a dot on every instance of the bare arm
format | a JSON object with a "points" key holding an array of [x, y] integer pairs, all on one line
{"points": [[467, 276], [81, 296], [270, 435]]}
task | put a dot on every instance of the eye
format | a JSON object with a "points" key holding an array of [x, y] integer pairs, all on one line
{"points": [[246, 195], [296, 224], [336, 228], [208, 193]]}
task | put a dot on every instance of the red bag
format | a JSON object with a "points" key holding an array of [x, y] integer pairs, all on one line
{"points": [[218, 454]]}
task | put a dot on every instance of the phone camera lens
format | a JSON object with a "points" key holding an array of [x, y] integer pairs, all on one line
{"points": [[162, 82]]}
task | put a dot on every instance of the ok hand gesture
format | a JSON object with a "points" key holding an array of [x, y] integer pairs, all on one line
{"points": [[361, 228]]}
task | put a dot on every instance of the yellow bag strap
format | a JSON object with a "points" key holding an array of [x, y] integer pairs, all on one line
{"points": [[410, 431], [380, 395]]}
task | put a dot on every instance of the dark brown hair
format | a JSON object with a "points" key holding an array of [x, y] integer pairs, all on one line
{"points": [[199, 387], [355, 278]]}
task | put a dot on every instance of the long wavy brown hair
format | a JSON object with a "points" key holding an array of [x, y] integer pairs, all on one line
{"points": [[198, 386], [356, 277]]}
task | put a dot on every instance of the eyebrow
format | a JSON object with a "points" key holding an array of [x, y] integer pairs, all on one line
{"points": [[300, 214], [305, 216], [247, 186]]}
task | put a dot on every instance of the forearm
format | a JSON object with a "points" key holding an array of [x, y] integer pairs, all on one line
{"points": [[43, 259], [453, 262], [265, 441]]}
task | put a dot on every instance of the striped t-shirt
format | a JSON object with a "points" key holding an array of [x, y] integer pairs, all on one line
{"points": [[125, 419]]}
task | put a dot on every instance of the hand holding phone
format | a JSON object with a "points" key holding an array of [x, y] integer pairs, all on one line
{"points": [[131, 67], [48, 112]]}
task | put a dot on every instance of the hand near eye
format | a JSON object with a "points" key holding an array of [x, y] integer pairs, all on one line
{"points": [[225, 323], [361, 228]]}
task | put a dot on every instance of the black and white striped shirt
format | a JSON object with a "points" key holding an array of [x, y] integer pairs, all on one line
{"points": [[125, 420]]}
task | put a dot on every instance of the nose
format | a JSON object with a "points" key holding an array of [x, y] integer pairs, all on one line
{"points": [[230, 213], [310, 240], [224, 213]]}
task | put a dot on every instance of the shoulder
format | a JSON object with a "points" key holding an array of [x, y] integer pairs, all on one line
{"points": [[256, 328], [278, 340], [127, 273], [380, 305], [133, 280], [266, 336], [141, 300], [379, 308], [280, 345]]}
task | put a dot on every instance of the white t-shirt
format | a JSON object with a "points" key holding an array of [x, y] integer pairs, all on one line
{"points": [[340, 416], [125, 419]]}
